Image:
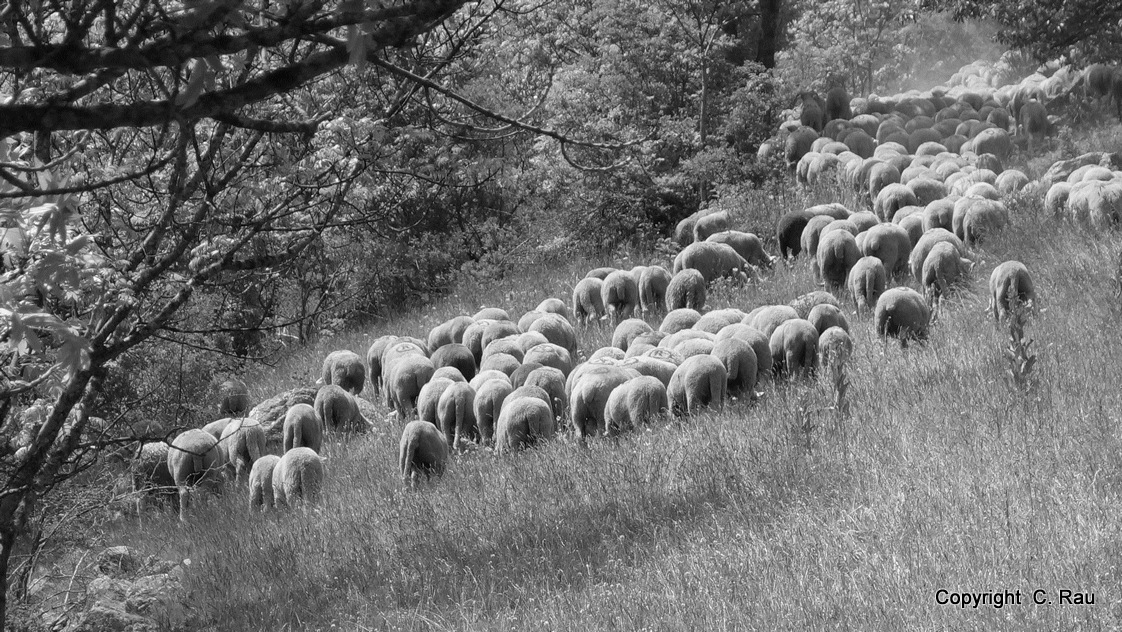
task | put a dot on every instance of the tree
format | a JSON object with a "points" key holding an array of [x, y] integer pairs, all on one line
{"points": [[199, 146], [1092, 29]]}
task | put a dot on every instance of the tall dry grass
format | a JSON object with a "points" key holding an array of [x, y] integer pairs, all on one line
{"points": [[775, 514]]}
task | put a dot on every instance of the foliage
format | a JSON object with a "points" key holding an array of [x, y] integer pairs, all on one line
{"points": [[1084, 31], [878, 46]]}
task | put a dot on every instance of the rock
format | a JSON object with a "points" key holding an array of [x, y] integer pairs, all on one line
{"points": [[111, 617], [1060, 170], [105, 589], [106, 610], [160, 598], [270, 414], [118, 560]]}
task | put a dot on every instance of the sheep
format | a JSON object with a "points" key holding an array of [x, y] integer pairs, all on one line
{"points": [[374, 361], [405, 378], [216, 427], [881, 176], [588, 302], [473, 338], [338, 410], [552, 381], [261, 482], [687, 289], [496, 330], [867, 280], [396, 351], [508, 345], [694, 346], [982, 218], [788, 232], [767, 318], [825, 316], [530, 339], [449, 332], [835, 347], [1033, 123], [588, 392], [903, 314], [794, 348], [627, 331], [302, 428], [448, 373], [924, 245], [455, 354], [683, 232], [714, 321], [942, 269], [234, 400], [150, 473], [891, 244], [428, 400], [797, 145], [812, 232], [550, 355], [756, 339], [740, 363], [837, 253], [194, 461], [939, 214], [1096, 82], [653, 286], [523, 422], [747, 245], [456, 414], [557, 330], [242, 443], [634, 403], [806, 302], [708, 224], [993, 141], [423, 450], [679, 319], [713, 260], [620, 295], [554, 306], [1096, 203], [608, 355], [673, 340], [488, 402], [811, 110], [298, 477], [698, 382], [658, 368], [837, 104], [491, 313], [1010, 288], [346, 369], [501, 361], [1055, 201]]}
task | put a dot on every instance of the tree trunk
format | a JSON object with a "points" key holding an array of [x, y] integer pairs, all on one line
{"points": [[702, 128], [769, 33], [7, 541]]}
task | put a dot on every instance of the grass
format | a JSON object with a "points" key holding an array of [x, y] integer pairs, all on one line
{"points": [[776, 514]]}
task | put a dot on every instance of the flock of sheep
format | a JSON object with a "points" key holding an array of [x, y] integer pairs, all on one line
{"points": [[929, 168]]}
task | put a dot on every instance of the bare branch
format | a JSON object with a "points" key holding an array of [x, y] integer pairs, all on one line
{"points": [[495, 115]]}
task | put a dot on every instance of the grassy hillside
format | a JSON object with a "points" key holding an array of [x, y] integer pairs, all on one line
{"points": [[777, 514]]}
